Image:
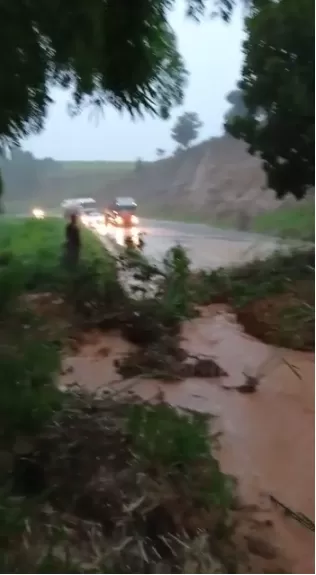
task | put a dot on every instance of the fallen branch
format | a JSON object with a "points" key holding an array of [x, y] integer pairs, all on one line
{"points": [[300, 517]]}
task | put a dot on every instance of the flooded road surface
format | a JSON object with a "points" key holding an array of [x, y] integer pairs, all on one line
{"points": [[206, 246], [267, 438]]}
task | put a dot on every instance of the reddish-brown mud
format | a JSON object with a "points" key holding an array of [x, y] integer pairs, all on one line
{"points": [[267, 437]]}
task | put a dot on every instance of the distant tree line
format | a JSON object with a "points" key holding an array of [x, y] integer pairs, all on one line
{"points": [[23, 175]]}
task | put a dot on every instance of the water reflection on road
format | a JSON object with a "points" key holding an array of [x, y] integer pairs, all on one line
{"points": [[121, 236], [206, 247]]}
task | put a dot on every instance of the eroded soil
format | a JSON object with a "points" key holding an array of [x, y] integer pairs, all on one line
{"points": [[267, 437]]}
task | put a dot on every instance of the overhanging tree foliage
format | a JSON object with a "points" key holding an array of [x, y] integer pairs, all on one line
{"points": [[121, 52], [278, 88], [114, 51]]}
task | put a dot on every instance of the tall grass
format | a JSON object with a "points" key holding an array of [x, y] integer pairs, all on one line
{"points": [[31, 255], [294, 222]]}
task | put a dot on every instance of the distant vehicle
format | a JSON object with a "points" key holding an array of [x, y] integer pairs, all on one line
{"points": [[38, 213], [122, 213], [79, 205]]}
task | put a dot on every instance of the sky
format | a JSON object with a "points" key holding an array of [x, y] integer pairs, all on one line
{"points": [[213, 57]]}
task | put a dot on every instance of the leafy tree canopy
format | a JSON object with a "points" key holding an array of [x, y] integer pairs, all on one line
{"points": [[120, 52], [24, 175], [186, 129], [114, 51], [278, 89]]}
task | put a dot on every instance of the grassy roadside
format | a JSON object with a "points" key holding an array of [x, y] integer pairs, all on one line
{"points": [[295, 222], [274, 299], [95, 484], [92, 485], [176, 215]]}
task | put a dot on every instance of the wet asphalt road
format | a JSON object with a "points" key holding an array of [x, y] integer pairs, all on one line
{"points": [[206, 246]]}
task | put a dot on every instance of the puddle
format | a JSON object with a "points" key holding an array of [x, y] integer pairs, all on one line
{"points": [[267, 439]]}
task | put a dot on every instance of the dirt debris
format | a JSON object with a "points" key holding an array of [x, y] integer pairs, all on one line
{"points": [[166, 360]]}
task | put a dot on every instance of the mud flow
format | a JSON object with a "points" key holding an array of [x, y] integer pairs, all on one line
{"points": [[266, 438]]}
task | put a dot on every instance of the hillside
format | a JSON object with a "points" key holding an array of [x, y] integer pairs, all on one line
{"points": [[102, 167], [75, 179], [29, 181], [216, 179]]}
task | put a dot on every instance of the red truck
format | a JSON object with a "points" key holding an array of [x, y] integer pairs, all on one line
{"points": [[122, 212]]}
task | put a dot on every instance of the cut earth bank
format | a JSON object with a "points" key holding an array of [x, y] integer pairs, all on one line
{"points": [[266, 428]]}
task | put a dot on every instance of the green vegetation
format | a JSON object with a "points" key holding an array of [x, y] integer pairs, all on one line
{"points": [[176, 215], [186, 129], [295, 222], [91, 484], [278, 93], [95, 71], [28, 181], [58, 447], [31, 252], [274, 299]]}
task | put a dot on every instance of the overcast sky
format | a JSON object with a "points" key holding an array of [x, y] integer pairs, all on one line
{"points": [[212, 53]]}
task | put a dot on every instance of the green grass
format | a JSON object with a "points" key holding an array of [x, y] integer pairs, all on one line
{"points": [[94, 484], [176, 215], [31, 263], [31, 250], [274, 299], [56, 446], [295, 222]]}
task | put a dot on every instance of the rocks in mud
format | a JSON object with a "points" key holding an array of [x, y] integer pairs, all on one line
{"points": [[156, 333], [160, 360], [202, 367], [250, 385], [166, 360]]}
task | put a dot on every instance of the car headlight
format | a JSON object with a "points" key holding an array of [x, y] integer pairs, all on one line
{"points": [[134, 219], [38, 213]]}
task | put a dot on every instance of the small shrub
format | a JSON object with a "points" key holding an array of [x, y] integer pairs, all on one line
{"points": [[172, 439], [29, 360], [179, 443]]}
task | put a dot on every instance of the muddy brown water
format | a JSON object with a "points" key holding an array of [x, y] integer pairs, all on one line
{"points": [[267, 438]]}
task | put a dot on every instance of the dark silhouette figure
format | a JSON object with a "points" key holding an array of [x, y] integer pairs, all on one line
{"points": [[72, 242]]}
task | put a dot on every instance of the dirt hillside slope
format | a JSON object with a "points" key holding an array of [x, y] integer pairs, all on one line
{"points": [[215, 178]]}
